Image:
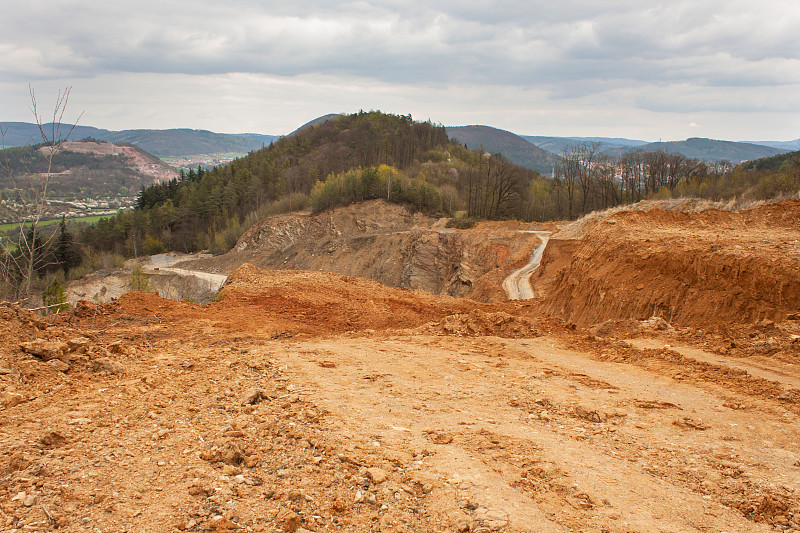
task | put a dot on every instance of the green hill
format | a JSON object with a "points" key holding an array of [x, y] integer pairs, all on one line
{"points": [[514, 147], [316, 122], [166, 143], [349, 158], [774, 163], [713, 150], [84, 169]]}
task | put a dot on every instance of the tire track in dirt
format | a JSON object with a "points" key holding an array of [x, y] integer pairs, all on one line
{"points": [[594, 445]]}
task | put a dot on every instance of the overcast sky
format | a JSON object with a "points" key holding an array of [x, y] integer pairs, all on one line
{"points": [[724, 69]]}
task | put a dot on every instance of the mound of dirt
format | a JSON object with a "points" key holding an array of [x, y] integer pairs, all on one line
{"points": [[691, 269], [478, 323]]}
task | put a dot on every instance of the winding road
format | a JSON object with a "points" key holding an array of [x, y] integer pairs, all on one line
{"points": [[161, 264], [518, 284]]}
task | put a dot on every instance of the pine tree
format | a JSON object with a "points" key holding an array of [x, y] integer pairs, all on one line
{"points": [[66, 252]]}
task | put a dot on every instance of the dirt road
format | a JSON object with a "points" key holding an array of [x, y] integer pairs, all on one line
{"points": [[517, 285]]}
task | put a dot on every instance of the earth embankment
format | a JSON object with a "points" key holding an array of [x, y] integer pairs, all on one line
{"points": [[702, 269]]}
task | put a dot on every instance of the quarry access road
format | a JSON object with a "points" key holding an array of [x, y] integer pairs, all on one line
{"points": [[518, 285], [162, 264]]}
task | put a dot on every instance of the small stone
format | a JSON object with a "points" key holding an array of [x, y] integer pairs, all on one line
{"points": [[786, 396], [106, 364], [18, 462], [12, 399], [443, 438], [45, 350], [359, 497], [290, 521], [230, 470], [117, 347], [640, 286], [462, 524], [327, 364], [30, 500], [19, 497], [52, 438], [58, 365], [251, 396], [377, 475], [77, 344]]}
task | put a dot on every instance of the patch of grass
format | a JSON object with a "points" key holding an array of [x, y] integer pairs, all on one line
{"points": [[70, 221]]}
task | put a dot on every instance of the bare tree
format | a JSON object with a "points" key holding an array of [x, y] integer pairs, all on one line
{"points": [[22, 259]]}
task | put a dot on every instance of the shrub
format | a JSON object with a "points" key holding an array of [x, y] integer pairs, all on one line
{"points": [[53, 297], [139, 281]]}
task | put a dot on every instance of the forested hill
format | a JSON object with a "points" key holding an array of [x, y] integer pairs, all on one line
{"points": [[713, 150], [171, 142], [83, 169], [511, 145], [349, 158]]}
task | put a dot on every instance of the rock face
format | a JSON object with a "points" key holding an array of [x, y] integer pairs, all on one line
{"points": [[388, 243]]}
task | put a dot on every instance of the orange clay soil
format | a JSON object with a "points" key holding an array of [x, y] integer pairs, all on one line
{"points": [[319, 402]]}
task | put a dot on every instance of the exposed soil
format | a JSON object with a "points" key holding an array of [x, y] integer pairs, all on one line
{"points": [[388, 243], [706, 270], [313, 401]]}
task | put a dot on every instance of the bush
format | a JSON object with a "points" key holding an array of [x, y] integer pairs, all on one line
{"points": [[461, 222], [54, 297], [139, 281], [153, 246]]}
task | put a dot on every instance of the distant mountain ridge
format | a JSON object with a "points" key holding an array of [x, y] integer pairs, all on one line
{"points": [[511, 145], [783, 145], [556, 145], [694, 147], [531, 151], [714, 150], [171, 142]]}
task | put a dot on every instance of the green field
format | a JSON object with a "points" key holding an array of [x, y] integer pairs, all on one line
{"points": [[70, 222]]}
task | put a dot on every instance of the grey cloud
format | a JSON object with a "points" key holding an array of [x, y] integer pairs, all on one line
{"points": [[572, 49]]}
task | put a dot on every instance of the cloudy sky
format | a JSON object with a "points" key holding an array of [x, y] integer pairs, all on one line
{"points": [[725, 69]]}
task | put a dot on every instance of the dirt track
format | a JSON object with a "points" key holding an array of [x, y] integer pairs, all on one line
{"points": [[517, 285], [322, 402]]}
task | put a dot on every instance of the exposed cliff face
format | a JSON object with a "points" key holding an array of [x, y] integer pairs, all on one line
{"points": [[703, 269], [388, 243]]}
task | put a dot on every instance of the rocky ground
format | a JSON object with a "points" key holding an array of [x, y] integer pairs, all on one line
{"points": [[308, 401]]}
